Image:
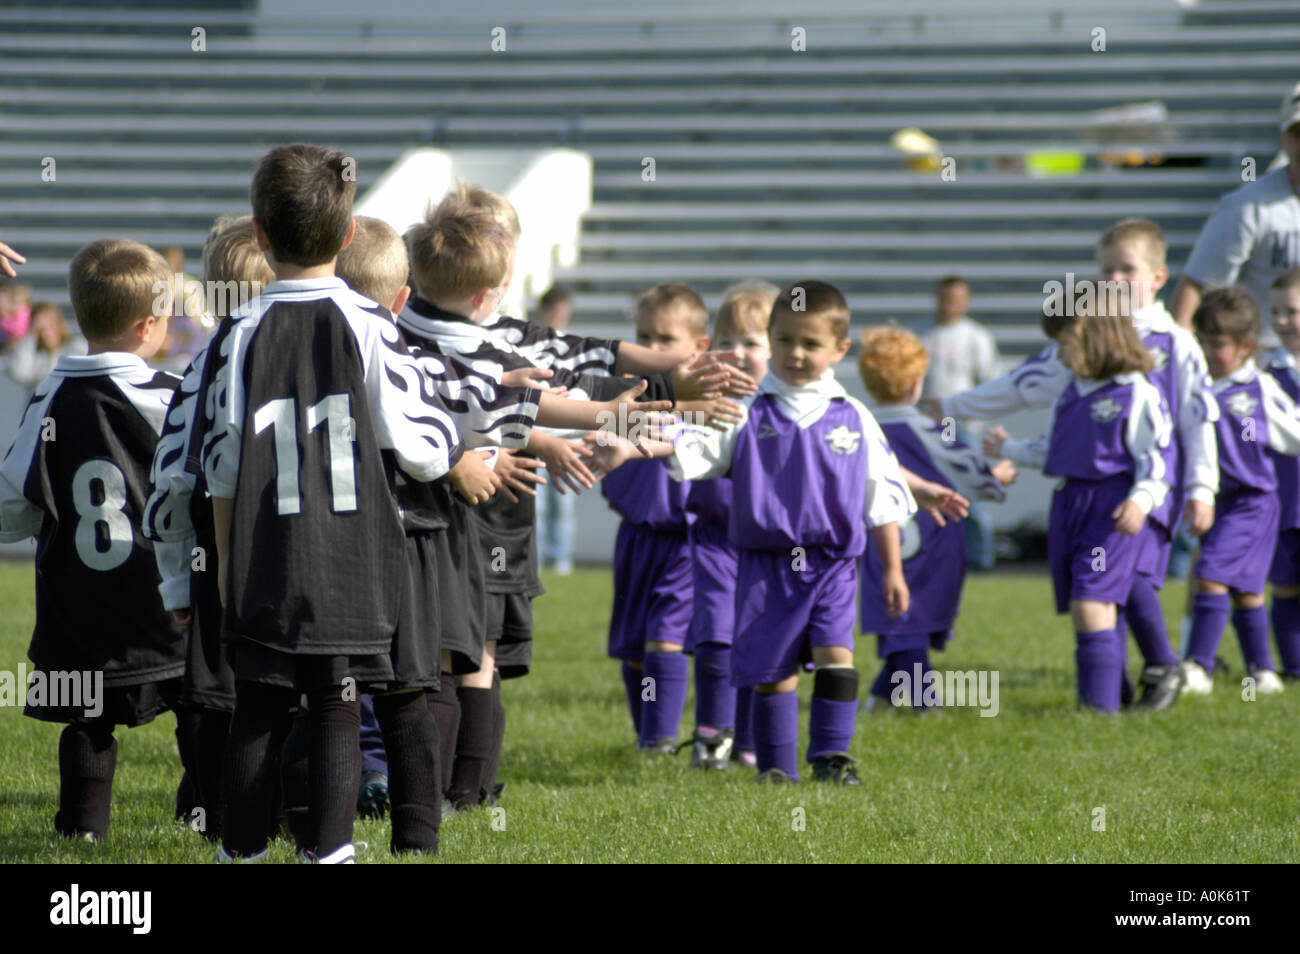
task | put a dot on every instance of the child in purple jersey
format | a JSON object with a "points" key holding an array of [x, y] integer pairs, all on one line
{"points": [[722, 712], [811, 473], [893, 364], [651, 616], [1281, 362], [1110, 439], [1256, 416], [1131, 263]]}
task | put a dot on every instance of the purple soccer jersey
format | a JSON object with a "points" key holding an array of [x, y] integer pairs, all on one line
{"points": [[934, 557], [643, 493], [1281, 365]]}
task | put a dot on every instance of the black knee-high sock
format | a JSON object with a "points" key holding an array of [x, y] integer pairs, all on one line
{"points": [[473, 745], [87, 761], [445, 706], [498, 737], [188, 796], [335, 768], [414, 777], [248, 773], [210, 749]]}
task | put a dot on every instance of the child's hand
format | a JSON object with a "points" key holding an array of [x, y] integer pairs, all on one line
{"points": [[994, 438], [564, 461], [894, 588], [473, 478], [931, 408], [8, 255], [1129, 518], [637, 415], [528, 377], [1199, 517], [700, 377], [518, 473], [938, 501], [720, 413], [1005, 472]]}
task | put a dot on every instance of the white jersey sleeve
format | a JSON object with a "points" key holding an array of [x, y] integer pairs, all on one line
{"points": [[701, 453], [888, 499], [960, 465], [1036, 382], [1197, 411], [1282, 415], [1147, 437], [19, 517]]}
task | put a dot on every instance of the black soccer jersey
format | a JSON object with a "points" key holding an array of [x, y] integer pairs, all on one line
{"points": [[76, 478], [310, 385]]}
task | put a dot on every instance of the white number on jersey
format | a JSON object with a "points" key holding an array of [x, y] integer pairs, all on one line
{"points": [[334, 410], [909, 540], [107, 514]]}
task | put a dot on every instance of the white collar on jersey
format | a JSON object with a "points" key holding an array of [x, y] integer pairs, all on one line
{"points": [[1243, 375], [898, 412], [1152, 318], [86, 365], [804, 404], [1087, 385]]}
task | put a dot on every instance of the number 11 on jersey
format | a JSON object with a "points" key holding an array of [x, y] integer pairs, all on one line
{"points": [[334, 411]]}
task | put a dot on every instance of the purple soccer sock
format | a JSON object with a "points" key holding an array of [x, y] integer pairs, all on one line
{"points": [[1098, 660], [1252, 631], [715, 696], [1286, 630], [745, 719], [1209, 617], [1146, 620], [906, 662], [661, 714], [632, 686], [776, 731], [834, 711]]}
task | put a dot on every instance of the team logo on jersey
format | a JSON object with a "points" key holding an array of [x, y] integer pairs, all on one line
{"points": [[767, 430], [1242, 404], [1105, 410], [843, 440], [1160, 356]]}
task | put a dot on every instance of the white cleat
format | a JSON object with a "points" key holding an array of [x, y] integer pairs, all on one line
{"points": [[224, 857], [1267, 682], [343, 855], [1198, 681]]}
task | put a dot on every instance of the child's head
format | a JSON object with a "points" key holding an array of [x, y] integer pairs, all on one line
{"points": [[234, 267], [501, 209], [555, 308], [1284, 302], [375, 263], [49, 326], [1132, 253], [809, 331], [459, 257], [893, 363], [302, 201], [122, 296], [741, 325], [1227, 325], [671, 317], [951, 299], [1101, 346]]}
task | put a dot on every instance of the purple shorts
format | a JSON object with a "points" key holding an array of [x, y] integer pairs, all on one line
{"points": [[783, 613], [1238, 550], [652, 590], [900, 642], [1089, 559], [714, 564], [1153, 557], [1285, 570]]}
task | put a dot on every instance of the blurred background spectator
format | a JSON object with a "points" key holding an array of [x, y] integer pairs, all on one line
{"points": [[29, 360], [555, 510]]}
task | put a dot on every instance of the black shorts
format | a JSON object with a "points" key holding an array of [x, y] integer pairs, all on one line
{"points": [[460, 591], [303, 672], [416, 655], [130, 706], [510, 623], [209, 673]]}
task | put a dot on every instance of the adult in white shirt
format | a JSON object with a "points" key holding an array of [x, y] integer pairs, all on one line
{"points": [[963, 354], [1253, 234]]}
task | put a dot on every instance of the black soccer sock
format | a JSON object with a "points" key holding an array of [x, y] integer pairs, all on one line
{"points": [[248, 776], [498, 737], [210, 749], [87, 761], [334, 768], [445, 706], [188, 794], [280, 750], [414, 777], [473, 745]]}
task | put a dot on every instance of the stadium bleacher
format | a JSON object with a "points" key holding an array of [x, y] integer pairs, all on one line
{"points": [[767, 160]]}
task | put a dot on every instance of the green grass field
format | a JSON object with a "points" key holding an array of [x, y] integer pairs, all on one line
{"points": [[1213, 780]]}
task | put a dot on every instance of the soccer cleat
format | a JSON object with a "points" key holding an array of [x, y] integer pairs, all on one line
{"points": [[1196, 681], [839, 769], [372, 799], [224, 857], [1266, 682], [775, 776], [714, 751], [662, 747], [746, 757], [1160, 687], [343, 855]]}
